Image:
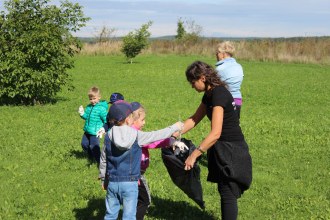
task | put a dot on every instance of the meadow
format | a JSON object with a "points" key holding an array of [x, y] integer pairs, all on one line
{"points": [[285, 119]]}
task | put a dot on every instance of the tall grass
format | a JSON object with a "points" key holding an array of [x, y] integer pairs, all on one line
{"points": [[285, 119], [299, 50], [102, 48]]}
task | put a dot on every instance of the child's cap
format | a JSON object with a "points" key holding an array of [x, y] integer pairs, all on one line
{"points": [[120, 110], [115, 97], [135, 106]]}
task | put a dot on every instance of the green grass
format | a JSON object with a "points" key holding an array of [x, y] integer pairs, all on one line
{"points": [[285, 119]]}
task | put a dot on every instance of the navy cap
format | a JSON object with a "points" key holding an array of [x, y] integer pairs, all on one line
{"points": [[135, 106], [119, 111], [115, 97]]}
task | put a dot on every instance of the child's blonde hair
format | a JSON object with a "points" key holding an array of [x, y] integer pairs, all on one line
{"points": [[226, 47], [94, 92], [137, 113]]}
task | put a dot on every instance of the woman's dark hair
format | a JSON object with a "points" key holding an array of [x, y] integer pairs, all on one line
{"points": [[198, 69]]}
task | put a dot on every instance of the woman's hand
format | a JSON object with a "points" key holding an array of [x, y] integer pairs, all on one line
{"points": [[189, 163]]}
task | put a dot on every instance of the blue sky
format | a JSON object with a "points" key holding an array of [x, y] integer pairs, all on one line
{"points": [[218, 18]]}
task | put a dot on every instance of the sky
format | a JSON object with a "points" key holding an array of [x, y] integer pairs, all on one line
{"points": [[218, 18]]}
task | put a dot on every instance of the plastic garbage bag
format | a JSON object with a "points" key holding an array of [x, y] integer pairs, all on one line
{"points": [[187, 180]]}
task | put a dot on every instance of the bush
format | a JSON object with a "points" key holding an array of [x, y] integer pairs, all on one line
{"points": [[135, 42], [37, 49]]}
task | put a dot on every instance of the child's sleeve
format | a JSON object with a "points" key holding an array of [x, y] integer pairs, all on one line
{"points": [[103, 115], [84, 116], [103, 164], [158, 144], [145, 138]]}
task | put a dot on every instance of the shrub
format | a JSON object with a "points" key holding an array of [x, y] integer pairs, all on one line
{"points": [[135, 42], [37, 49]]}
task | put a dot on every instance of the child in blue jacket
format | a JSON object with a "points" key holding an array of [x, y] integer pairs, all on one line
{"points": [[95, 116]]}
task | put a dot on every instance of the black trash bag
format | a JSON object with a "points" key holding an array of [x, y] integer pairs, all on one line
{"points": [[187, 180]]}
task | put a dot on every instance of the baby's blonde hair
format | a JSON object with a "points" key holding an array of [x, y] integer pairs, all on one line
{"points": [[94, 92], [137, 113], [226, 47]]}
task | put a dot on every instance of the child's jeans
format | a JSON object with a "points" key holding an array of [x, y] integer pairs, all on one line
{"points": [[91, 145], [121, 193]]}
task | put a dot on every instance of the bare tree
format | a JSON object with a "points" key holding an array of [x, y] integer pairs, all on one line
{"points": [[192, 28], [188, 32], [105, 34]]}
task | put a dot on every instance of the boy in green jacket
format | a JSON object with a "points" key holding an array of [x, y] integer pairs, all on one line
{"points": [[95, 116]]}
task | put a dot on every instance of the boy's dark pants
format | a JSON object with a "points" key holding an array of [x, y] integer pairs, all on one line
{"points": [[143, 199], [91, 145]]}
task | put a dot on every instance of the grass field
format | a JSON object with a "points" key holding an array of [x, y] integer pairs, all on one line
{"points": [[285, 119]]}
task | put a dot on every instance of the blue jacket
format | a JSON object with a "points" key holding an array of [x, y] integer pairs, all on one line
{"points": [[232, 74]]}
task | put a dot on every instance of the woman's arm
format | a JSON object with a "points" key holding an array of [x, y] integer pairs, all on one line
{"points": [[211, 138], [192, 121], [216, 128]]}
